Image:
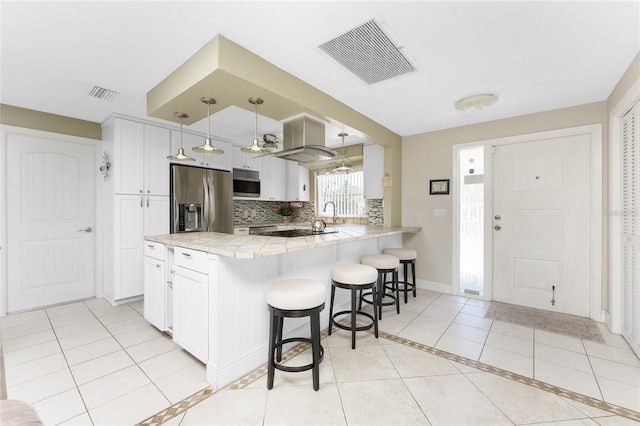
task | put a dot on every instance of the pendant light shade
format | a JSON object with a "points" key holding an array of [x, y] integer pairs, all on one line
{"points": [[344, 168], [180, 156], [255, 147], [208, 147]]}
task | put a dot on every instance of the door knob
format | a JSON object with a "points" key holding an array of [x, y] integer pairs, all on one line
{"points": [[497, 227], [87, 229]]}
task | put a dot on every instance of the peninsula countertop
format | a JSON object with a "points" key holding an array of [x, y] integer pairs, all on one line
{"points": [[251, 246]]}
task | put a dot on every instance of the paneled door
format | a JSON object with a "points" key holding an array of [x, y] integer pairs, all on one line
{"points": [[542, 224], [50, 220]]}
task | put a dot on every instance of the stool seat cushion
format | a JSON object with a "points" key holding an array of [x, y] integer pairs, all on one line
{"points": [[296, 295], [401, 253], [354, 274], [380, 261]]}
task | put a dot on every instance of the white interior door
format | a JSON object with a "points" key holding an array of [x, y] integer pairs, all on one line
{"points": [[542, 224], [50, 219]]}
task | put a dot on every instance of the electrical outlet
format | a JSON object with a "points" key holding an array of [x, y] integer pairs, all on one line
{"points": [[439, 212]]}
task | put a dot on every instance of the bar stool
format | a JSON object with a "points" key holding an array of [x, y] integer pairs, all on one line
{"points": [[354, 277], [295, 299], [384, 263], [407, 257]]}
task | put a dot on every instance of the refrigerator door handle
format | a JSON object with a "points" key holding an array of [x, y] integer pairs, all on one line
{"points": [[205, 207]]}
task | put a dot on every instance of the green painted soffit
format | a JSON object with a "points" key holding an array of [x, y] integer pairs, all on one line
{"points": [[31, 119], [231, 74]]}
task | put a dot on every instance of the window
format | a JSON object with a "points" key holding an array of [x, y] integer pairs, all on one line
{"points": [[345, 191]]}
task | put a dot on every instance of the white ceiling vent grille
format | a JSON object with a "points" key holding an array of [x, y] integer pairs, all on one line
{"points": [[369, 53], [102, 93]]}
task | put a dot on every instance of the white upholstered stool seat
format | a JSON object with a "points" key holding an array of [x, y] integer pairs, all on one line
{"points": [[380, 261], [354, 274], [353, 277], [296, 294], [401, 253], [295, 298]]}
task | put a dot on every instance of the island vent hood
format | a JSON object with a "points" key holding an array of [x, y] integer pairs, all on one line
{"points": [[304, 141]]}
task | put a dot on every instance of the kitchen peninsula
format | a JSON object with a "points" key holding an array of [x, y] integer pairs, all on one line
{"points": [[214, 304]]}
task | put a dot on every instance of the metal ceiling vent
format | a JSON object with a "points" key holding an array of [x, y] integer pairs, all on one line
{"points": [[102, 93], [368, 52]]}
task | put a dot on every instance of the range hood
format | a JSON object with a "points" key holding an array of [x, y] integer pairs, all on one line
{"points": [[304, 141]]}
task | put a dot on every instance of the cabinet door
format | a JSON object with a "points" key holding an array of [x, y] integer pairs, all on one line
{"points": [[128, 245], [155, 292], [297, 182], [157, 146], [278, 179], [156, 215], [128, 157], [373, 170], [191, 312], [242, 160]]}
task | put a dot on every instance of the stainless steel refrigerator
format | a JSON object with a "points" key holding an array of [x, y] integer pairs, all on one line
{"points": [[201, 200]]}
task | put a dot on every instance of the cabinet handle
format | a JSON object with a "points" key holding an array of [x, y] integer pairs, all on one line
{"points": [[157, 265], [147, 201], [141, 201], [186, 254], [151, 246]]}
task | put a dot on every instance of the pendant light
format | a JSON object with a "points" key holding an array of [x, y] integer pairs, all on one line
{"points": [[208, 147], [255, 148], [180, 156], [343, 169]]}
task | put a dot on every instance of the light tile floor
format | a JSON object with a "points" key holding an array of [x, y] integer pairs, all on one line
{"points": [[438, 362]]}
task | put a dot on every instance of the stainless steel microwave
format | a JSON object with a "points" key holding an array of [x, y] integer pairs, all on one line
{"points": [[246, 183]]}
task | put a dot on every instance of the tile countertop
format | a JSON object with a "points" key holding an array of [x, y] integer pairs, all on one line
{"points": [[250, 246]]}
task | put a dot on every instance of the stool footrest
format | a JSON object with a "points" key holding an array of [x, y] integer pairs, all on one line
{"points": [[296, 369], [348, 327], [389, 295]]}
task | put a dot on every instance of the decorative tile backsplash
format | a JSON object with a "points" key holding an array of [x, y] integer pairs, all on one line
{"points": [[255, 211]]}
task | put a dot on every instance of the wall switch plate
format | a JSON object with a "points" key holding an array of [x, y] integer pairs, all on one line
{"points": [[439, 212]]}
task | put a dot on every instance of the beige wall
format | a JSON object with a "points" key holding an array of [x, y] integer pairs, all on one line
{"points": [[30, 119], [429, 156]]}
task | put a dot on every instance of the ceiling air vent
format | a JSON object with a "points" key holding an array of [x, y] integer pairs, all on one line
{"points": [[102, 93], [369, 53]]}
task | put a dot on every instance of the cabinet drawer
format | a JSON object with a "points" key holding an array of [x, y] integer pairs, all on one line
{"points": [[191, 259], [155, 250], [241, 231]]}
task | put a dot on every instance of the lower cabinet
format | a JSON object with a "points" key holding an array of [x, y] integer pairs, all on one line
{"points": [[191, 303], [155, 292]]}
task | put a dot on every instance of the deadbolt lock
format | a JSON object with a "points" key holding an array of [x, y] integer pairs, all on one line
{"points": [[497, 217]]}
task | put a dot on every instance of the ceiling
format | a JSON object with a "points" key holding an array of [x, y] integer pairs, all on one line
{"points": [[535, 56]]}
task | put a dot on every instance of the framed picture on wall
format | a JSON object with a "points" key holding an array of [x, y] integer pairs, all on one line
{"points": [[439, 186]]}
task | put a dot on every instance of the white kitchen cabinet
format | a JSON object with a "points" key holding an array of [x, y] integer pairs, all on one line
{"points": [[373, 168], [155, 292], [191, 302], [134, 217], [242, 160], [273, 185], [210, 161], [138, 156], [297, 182]]}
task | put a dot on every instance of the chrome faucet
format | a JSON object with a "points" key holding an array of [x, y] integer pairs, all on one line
{"points": [[324, 210]]}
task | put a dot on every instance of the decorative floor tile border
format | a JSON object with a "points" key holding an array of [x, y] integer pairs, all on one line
{"points": [[182, 406]]}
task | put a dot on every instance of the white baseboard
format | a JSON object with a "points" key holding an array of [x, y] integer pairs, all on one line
{"points": [[434, 286]]}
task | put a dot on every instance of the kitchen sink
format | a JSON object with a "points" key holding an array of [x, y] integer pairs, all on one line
{"points": [[294, 233]]}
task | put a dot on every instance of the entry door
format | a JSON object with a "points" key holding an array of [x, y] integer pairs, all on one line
{"points": [[50, 220], [542, 224]]}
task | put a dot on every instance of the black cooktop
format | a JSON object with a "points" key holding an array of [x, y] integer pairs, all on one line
{"points": [[294, 233]]}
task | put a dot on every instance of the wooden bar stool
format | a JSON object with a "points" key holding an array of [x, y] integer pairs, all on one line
{"points": [[384, 264], [295, 299], [354, 277], [406, 257]]}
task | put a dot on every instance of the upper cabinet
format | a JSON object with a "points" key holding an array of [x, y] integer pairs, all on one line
{"points": [[138, 157], [273, 179], [242, 160], [211, 161], [373, 167], [297, 182]]}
